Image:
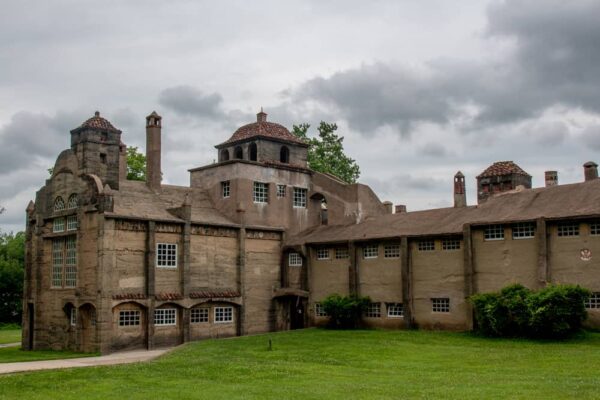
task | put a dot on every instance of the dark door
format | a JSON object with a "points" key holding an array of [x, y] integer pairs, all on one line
{"points": [[296, 314], [31, 325]]}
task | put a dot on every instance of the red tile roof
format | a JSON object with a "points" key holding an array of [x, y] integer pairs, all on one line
{"points": [[97, 122], [262, 128], [500, 168], [168, 296], [129, 296], [207, 294]]}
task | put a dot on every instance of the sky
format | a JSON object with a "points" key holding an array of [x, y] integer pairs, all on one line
{"points": [[419, 90]]}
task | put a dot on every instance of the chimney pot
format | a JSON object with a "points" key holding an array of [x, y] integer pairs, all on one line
{"points": [[551, 178], [590, 171], [400, 208], [460, 195], [389, 207]]}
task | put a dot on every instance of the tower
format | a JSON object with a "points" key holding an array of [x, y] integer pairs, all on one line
{"points": [[460, 195], [153, 149]]}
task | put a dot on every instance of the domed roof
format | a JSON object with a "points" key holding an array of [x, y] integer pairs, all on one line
{"points": [[97, 122], [500, 168], [262, 128]]}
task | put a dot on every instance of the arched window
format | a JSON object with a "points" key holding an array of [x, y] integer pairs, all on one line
{"points": [[252, 151], [284, 155], [73, 201], [239, 153], [59, 204], [224, 155]]}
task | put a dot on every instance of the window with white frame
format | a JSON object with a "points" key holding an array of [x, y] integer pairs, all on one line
{"points": [[70, 261], [166, 255], [320, 311], [226, 189], [426, 245], [223, 315], [73, 201], [593, 301], [493, 232], [260, 192], [72, 222], [73, 316], [373, 310], [395, 310], [370, 251], [299, 197], [129, 317], [280, 191], [294, 260], [568, 229], [199, 315], [440, 304], [450, 244], [58, 225], [322, 254], [523, 230], [391, 251], [58, 258], [594, 228], [341, 253], [59, 204], [64, 262], [165, 316]]}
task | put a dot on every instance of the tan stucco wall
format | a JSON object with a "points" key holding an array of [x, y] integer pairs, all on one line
{"points": [[213, 262]]}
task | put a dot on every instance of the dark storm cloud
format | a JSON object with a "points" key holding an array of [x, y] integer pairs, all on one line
{"points": [[554, 61], [189, 101]]}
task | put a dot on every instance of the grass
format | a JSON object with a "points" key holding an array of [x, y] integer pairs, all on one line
{"points": [[10, 334], [321, 364], [15, 354]]}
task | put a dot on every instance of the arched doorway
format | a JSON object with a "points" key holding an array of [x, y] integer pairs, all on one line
{"points": [[87, 328]]}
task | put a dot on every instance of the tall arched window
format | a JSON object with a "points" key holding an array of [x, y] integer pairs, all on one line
{"points": [[59, 204], [284, 155], [252, 151], [239, 153], [224, 155], [73, 201]]}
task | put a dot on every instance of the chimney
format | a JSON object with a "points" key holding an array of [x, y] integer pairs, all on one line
{"points": [[460, 196], [153, 172], [551, 178], [261, 116], [400, 208], [590, 170], [389, 207]]}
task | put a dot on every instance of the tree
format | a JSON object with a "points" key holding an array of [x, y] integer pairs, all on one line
{"points": [[136, 164], [344, 311], [12, 262], [326, 152]]}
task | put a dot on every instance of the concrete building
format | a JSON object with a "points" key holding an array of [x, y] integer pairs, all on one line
{"points": [[258, 240]]}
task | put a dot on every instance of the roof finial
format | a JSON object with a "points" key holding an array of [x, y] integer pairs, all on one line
{"points": [[97, 113], [261, 116]]}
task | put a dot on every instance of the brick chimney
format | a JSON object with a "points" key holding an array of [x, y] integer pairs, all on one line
{"points": [[460, 195], [153, 166], [551, 178], [590, 171], [389, 207], [400, 208], [261, 116]]}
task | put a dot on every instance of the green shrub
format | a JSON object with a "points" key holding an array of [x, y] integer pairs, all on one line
{"points": [[503, 314], [344, 311]]}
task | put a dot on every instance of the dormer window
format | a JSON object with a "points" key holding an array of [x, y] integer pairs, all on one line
{"points": [[284, 155], [253, 152]]}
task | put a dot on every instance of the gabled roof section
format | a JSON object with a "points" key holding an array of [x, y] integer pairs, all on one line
{"points": [[500, 168]]}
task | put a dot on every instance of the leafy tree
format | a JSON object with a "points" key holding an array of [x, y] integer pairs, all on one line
{"points": [[326, 152], [344, 311], [136, 164], [12, 261]]}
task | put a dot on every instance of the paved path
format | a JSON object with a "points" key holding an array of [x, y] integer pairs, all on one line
{"points": [[10, 344], [111, 359]]}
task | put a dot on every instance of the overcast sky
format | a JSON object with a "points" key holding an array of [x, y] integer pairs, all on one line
{"points": [[419, 89]]}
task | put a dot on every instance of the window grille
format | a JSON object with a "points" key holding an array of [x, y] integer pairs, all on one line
{"points": [[294, 260], [280, 191], [59, 204], [341, 253], [395, 310], [226, 189], [322, 254], [166, 255], [58, 225], [450, 244], [320, 311], [129, 317], [391, 251], [299, 198], [371, 251], [374, 310], [64, 262], [523, 230], [440, 304], [493, 232], [223, 314], [57, 262], [260, 193], [595, 228], [199, 315], [73, 201], [71, 262], [593, 301], [426, 245], [73, 316], [165, 316], [568, 229], [72, 222]]}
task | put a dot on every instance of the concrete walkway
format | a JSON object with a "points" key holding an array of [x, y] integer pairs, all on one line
{"points": [[10, 345], [127, 357]]}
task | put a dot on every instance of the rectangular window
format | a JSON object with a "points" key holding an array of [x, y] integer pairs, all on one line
{"points": [[72, 223], [493, 232], [294, 260], [320, 311], [523, 230], [341, 253], [129, 317], [260, 193], [165, 316], [225, 189], [58, 257], [593, 301], [223, 315], [322, 254], [299, 197], [199, 315], [71, 262], [426, 245], [280, 191], [374, 310], [450, 244], [370, 251], [73, 316], [64, 262], [395, 310], [391, 251], [568, 229], [58, 225], [594, 228], [166, 255], [440, 304]]}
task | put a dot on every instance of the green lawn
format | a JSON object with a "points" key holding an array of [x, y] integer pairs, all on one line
{"points": [[10, 335], [15, 354], [321, 364]]}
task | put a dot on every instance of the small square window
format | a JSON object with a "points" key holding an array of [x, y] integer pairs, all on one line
{"points": [[199, 315], [523, 230], [426, 245], [223, 315], [299, 197], [395, 310], [595, 228], [260, 193], [320, 311], [294, 260], [371, 251], [341, 253], [373, 311], [129, 317], [568, 229], [593, 301], [72, 223], [440, 304], [493, 232], [391, 251], [226, 189], [165, 316], [280, 191], [58, 225], [322, 254], [166, 255], [450, 244]]}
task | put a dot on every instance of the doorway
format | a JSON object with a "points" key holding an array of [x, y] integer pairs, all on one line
{"points": [[297, 311], [30, 313]]}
